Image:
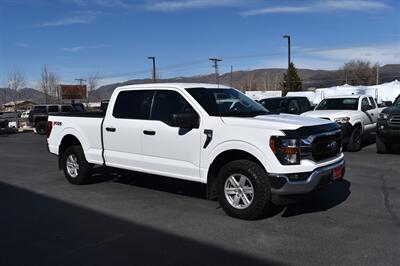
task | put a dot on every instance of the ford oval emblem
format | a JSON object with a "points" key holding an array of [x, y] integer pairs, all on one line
{"points": [[332, 146]]}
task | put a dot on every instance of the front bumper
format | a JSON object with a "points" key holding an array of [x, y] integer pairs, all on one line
{"points": [[282, 184], [347, 129], [388, 133]]}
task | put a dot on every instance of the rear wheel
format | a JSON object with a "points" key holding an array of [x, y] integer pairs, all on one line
{"points": [[381, 146], [355, 140], [244, 190], [41, 127], [75, 166]]}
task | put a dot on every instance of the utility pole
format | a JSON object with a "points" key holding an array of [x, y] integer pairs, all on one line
{"points": [[216, 67], [81, 80], [154, 67], [377, 74], [231, 76], [288, 70]]}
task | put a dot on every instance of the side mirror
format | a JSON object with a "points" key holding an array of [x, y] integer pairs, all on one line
{"points": [[366, 108], [387, 103], [293, 110], [188, 120]]}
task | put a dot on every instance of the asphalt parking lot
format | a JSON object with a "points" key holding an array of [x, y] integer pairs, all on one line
{"points": [[129, 218]]}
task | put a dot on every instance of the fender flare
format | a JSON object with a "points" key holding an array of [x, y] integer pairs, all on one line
{"points": [[241, 146]]}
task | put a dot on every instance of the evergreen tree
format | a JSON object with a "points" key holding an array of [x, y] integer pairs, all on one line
{"points": [[295, 81]]}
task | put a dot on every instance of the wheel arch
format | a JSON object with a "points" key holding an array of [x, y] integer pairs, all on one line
{"points": [[219, 161], [67, 141]]}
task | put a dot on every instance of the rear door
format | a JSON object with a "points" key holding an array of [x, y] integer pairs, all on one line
{"points": [[122, 129], [171, 150]]}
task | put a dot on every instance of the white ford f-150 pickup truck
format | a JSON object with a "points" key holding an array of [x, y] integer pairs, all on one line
{"points": [[356, 114], [205, 133]]}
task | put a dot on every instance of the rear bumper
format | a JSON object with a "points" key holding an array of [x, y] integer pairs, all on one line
{"points": [[285, 185]]}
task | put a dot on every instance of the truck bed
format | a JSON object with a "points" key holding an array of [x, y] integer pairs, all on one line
{"points": [[75, 124]]}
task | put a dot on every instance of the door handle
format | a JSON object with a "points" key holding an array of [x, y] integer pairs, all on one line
{"points": [[111, 129], [149, 132], [372, 114]]}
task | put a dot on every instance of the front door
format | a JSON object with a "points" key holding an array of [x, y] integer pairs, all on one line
{"points": [[168, 149]]}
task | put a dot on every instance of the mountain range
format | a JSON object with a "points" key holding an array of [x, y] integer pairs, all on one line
{"points": [[259, 79]]}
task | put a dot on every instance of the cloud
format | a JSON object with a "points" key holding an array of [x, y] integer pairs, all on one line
{"points": [[166, 6], [80, 48], [77, 17], [382, 53], [321, 6], [22, 45]]}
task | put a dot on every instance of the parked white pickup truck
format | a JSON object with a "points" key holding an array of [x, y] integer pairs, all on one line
{"points": [[356, 114], [205, 133]]}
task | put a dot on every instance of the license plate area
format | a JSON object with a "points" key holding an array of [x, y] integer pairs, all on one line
{"points": [[337, 172]]}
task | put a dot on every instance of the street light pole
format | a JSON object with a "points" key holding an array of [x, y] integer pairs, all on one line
{"points": [[154, 67], [289, 60]]}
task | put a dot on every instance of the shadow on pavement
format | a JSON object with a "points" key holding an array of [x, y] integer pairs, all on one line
{"points": [[321, 200], [38, 230]]}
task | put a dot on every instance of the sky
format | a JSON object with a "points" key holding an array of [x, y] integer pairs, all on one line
{"points": [[79, 38]]}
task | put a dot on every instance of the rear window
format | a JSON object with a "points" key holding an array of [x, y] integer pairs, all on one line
{"points": [[133, 104]]}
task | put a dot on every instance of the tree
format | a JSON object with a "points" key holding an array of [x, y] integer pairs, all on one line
{"points": [[15, 82], [358, 72], [49, 85], [294, 84], [93, 82]]}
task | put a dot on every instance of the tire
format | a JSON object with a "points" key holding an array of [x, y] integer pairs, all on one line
{"points": [[258, 203], [355, 140], [41, 127], [381, 147], [74, 155]]}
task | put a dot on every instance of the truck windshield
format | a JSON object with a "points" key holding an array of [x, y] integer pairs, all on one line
{"points": [[226, 102], [338, 104]]}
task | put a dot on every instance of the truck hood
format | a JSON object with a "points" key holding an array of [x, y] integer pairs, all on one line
{"points": [[331, 114], [274, 121], [394, 110]]}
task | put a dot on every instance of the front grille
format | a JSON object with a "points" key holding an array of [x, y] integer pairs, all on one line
{"points": [[395, 121], [326, 145]]}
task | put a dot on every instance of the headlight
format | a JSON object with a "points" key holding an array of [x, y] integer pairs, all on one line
{"points": [[383, 116], [342, 120], [286, 150]]}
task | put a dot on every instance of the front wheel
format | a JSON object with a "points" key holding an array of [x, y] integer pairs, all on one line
{"points": [[244, 190], [75, 166], [355, 140]]}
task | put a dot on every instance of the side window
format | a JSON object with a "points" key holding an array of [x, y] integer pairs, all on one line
{"points": [[372, 102], [53, 108], [364, 102], [67, 109], [39, 109], [133, 104], [167, 103]]}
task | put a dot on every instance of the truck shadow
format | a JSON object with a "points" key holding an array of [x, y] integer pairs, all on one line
{"points": [[155, 182], [320, 200]]}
